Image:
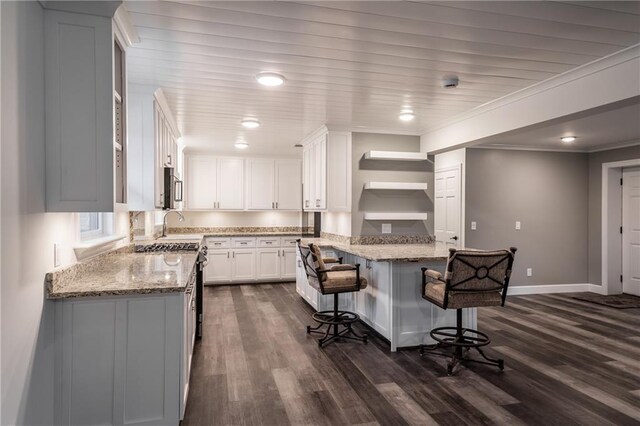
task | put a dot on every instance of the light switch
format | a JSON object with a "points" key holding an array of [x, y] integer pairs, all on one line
{"points": [[529, 272], [473, 226], [386, 228], [518, 225]]}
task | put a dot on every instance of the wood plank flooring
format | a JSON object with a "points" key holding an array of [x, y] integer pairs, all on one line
{"points": [[567, 362]]}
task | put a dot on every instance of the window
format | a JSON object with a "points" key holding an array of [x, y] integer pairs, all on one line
{"points": [[95, 225]]}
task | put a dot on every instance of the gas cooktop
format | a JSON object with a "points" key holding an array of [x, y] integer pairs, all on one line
{"points": [[155, 247]]}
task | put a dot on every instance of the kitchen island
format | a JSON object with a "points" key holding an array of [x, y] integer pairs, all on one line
{"points": [[125, 325], [392, 303]]}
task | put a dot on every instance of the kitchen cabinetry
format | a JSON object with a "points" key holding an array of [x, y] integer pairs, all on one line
{"points": [[123, 360], [250, 259], [273, 184], [326, 161], [152, 146], [85, 106], [214, 183]]}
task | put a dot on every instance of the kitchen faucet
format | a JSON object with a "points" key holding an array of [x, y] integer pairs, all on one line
{"points": [[164, 221]]}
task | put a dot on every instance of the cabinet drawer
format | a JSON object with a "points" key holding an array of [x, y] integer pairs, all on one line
{"points": [[288, 242], [269, 242], [243, 242], [214, 243]]}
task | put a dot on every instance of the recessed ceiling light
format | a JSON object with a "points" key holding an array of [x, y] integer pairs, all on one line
{"points": [[270, 79], [568, 139], [250, 123], [406, 115], [241, 145]]}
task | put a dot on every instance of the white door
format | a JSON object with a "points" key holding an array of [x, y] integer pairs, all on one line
{"points": [[288, 190], [231, 183], [260, 185], [243, 265], [200, 183], [631, 231], [218, 269], [268, 264], [447, 206], [288, 263]]}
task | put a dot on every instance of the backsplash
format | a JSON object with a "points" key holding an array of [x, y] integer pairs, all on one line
{"points": [[240, 230]]}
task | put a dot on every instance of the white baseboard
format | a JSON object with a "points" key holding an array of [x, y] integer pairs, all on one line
{"points": [[515, 290]]}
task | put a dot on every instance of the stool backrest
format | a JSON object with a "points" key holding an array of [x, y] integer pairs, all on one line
{"points": [[308, 260], [479, 271]]}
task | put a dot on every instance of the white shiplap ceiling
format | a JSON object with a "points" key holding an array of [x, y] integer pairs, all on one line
{"points": [[356, 64]]}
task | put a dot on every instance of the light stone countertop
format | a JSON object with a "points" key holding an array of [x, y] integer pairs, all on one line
{"points": [[123, 272], [388, 252]]}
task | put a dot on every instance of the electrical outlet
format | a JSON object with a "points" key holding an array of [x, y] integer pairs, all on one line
{"points": [[56, 255], [474, 226], [518, 226], [529, 272], [386, 228]]}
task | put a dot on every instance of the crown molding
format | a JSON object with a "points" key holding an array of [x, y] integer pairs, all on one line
{"points": [[127, 32]]}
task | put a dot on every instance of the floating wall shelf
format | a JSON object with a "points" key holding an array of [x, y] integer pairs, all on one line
{"points": [[411, 186], [396, 155], [395, 216]]}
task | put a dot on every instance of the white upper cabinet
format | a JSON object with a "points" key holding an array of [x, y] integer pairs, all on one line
{"points": [[327, 171], [80, 109], [201, 182], [260, 184], [214, 183], [288, 185], [231, 183], [274, 184]]}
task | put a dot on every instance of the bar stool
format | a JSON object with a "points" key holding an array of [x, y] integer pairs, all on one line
{"points": [[472, 279], [336, 279]]}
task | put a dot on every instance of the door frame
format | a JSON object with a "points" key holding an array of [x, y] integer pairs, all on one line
{"points": [[461, 187], [611, 220]]}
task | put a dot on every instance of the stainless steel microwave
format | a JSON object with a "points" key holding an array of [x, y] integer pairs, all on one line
{"points": [[172, 189]]}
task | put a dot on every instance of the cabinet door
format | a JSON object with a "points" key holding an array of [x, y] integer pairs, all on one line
{"points": [[218, 269], [268, 262], [301, 276], [244, 265], [260, 185], [288, 263], [338, 154], [159, 153], [288, 191], [307, 184], [230, 184], [200, 183], [320, 173]]}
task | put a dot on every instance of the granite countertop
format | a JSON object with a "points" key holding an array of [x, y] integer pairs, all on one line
{"points": [[256, 234], [123, 272], [388, 252]]}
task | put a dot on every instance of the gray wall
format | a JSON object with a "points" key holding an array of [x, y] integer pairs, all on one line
{"points": [[389, 171], [548, 193], [595, 204]]}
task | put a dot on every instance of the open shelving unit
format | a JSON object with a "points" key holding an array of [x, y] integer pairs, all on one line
{"points": [[404, 186], [396, 156], [395, 216]]}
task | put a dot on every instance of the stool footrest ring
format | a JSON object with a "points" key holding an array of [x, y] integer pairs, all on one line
{"points": [[469, 338]]}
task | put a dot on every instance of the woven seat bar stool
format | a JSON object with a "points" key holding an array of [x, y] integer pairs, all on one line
{"points": [[473, 279], [330, 276]]}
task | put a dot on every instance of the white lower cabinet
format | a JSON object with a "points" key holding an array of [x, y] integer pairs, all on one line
{"points": [[243, 266], [249, 259], [268, 260], [123, 360]]}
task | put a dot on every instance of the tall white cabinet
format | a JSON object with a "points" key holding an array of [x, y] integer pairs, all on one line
{"points": [[326, 162], [152, 146]]}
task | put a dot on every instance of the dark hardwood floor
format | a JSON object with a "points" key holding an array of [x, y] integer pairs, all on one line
{"points": [[567, 362]]}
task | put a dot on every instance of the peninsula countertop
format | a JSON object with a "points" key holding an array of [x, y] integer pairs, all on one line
{"points": [[388, 252], [123, 272]]}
